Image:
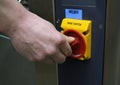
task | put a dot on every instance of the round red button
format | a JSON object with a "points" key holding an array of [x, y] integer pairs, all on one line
{"points": [[78, 45]]}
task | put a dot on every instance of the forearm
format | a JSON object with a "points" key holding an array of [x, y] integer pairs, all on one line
{"points": [[11, 13]]}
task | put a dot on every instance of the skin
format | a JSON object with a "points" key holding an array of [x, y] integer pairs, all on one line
{"points": [[32, 36]]}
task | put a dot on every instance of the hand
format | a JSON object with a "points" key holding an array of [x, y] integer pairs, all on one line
{"points": [[38, 40]]}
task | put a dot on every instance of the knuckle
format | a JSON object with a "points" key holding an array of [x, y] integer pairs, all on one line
{"points": [[59, 58], [60, 40], [62, 60], [69, 52], [51, 51], [40, 57]]}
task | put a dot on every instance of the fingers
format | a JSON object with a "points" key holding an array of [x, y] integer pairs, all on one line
{"points": [[56, 53], [65, 46], [49, 61], [53, 55], [59, 57], [56, 57], [70, 39]]}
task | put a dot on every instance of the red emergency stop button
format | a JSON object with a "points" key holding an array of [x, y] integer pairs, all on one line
{"points": [[78, 45]]}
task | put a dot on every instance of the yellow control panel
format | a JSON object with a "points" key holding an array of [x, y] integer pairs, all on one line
{"points": [[84, 28]]}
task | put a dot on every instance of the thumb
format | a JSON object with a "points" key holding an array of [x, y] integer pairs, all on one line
{"points": [[70, 39]]}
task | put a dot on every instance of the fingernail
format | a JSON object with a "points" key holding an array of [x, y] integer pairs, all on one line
{"points": [[71, 39]]}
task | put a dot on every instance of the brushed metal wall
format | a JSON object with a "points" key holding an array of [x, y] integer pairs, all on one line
{"points": [[43, 8], [14, 69], [112, 44]]}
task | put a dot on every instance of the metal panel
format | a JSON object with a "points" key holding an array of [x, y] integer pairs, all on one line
{"points": [[14, 69], [112, 46], [46, 74], [43, 8], [75, 72]]}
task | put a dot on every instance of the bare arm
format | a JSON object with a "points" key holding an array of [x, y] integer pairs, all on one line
{"points": [[11, 13], [32, 36]]}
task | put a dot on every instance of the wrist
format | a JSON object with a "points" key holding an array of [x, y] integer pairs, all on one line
{"points": [[14, 25], [10, 16]]}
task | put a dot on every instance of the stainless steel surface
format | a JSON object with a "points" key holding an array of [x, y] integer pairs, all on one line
{"points": [[14, 69], [43, 8], [112, 45], [46, 74]]}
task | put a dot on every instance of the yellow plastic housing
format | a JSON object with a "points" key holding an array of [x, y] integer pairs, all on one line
{"points": [[82, 26]]}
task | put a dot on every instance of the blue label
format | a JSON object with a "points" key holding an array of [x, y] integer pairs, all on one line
{"points": [[73, 13]]}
